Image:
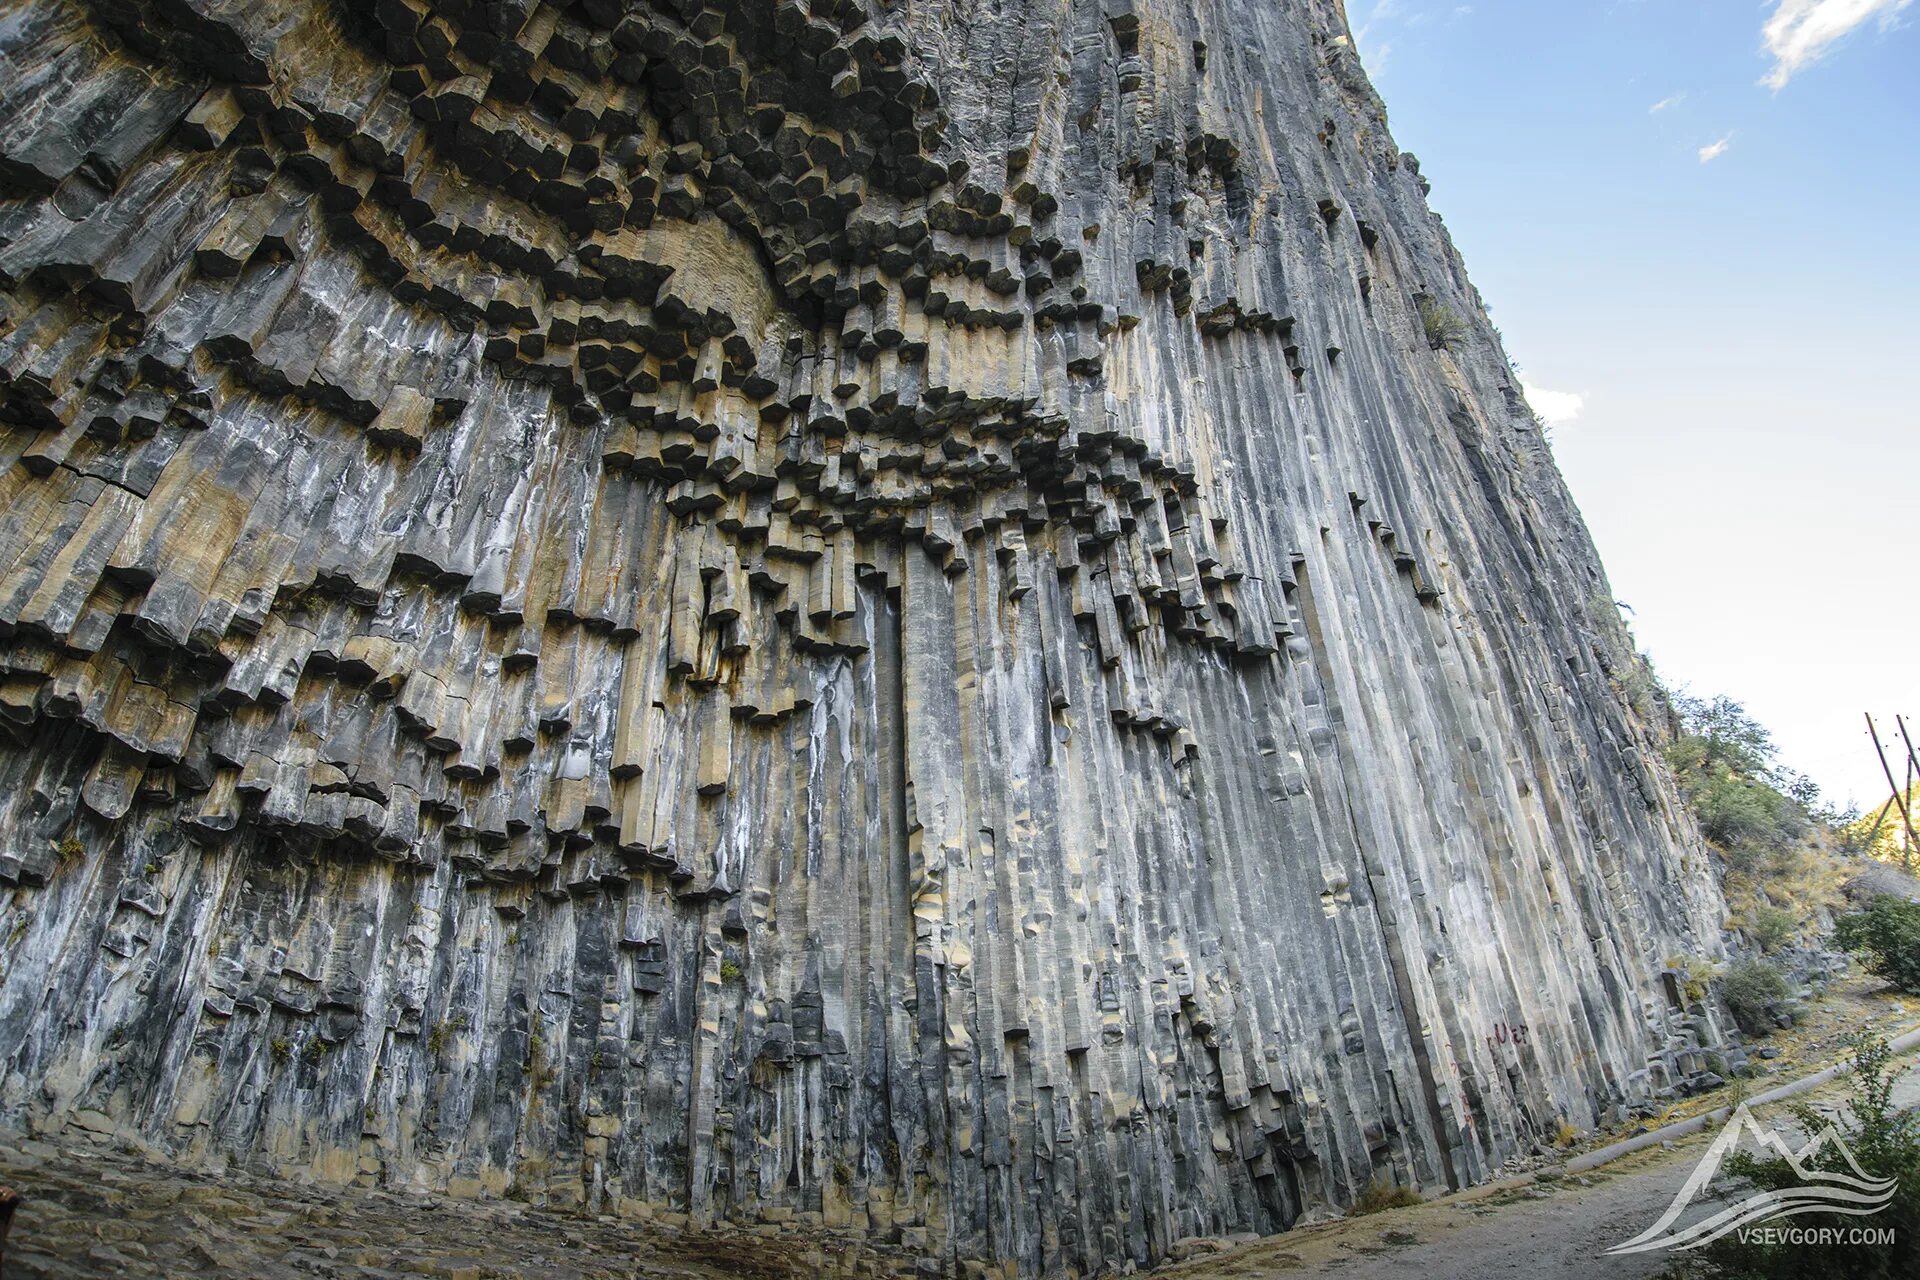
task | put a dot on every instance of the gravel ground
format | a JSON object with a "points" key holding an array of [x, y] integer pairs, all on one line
{"points": [[95, 1212]]}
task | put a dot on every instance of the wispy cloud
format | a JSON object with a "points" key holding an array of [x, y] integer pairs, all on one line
{"points": [[1801, 31], [1664, 103], [1714, 150], [1373, 25], [1369, 35], [1556, 408]]}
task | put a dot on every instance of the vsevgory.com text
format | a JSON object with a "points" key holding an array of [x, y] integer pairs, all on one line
{"points": [[1815, 1235]]}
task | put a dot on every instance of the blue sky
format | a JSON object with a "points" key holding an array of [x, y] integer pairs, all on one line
{"points": [[1697, 223]]}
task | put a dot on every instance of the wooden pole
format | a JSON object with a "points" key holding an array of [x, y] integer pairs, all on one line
{"points": [[1899, 799], [1879, 821], [1911, 764]]}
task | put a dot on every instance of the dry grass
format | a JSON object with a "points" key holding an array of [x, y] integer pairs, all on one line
{"points": [[1801, 882], [1382, 1195]]}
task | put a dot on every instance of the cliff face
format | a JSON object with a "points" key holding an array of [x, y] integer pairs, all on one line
{"points": [[941, 618]]}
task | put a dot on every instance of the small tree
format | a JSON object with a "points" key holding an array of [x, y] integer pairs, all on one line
{"points": [[1723, 761], [1887, 933], [1723, 736]]}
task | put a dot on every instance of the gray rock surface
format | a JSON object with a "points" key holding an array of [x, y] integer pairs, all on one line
{"points": [[939, 620]]}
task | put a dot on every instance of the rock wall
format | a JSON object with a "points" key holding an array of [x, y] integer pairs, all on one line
{"points": [[938, 619]]}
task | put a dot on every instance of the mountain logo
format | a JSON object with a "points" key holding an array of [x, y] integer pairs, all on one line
{"points": [[1821, 1190]]}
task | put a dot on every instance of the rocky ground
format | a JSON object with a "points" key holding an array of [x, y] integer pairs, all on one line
{"points": [[1825, 1019], [91, 1210], [97, 1212], [1545, 1228]]}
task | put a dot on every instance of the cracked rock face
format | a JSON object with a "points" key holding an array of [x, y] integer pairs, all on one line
{"points": [[936, 619]]}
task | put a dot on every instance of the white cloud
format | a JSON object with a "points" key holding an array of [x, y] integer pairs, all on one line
{"points": [[1364, 32], [1374, 25], [1801, 31], [1556, 408], [1714, 150], [1382, 11], [1664, 103]]}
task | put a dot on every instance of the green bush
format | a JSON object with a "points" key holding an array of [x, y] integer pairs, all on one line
{"points": [[1772, 928], [1751, 987], [1887, 1145], [1888, 934], [1745, 817]]}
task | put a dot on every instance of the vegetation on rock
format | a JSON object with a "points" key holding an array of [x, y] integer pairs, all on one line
{"points": [[1443, 328], [1781, 847], [1753, 988], [1772, 927]]}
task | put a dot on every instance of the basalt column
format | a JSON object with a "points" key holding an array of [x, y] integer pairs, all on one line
{"points": [[937, 618]]}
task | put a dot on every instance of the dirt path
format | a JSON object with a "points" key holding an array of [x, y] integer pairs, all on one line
{"points": [[1545, 1229], [1553, 1226]]}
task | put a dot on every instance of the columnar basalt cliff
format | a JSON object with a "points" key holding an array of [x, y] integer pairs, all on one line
{"points": [[940, 619]]}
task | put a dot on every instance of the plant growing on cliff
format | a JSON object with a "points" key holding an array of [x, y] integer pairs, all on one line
{"points": [[442, 1034], [1887, 933], [1694, 975], [1771, 927], [538, 1070], [1443, 328]]}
